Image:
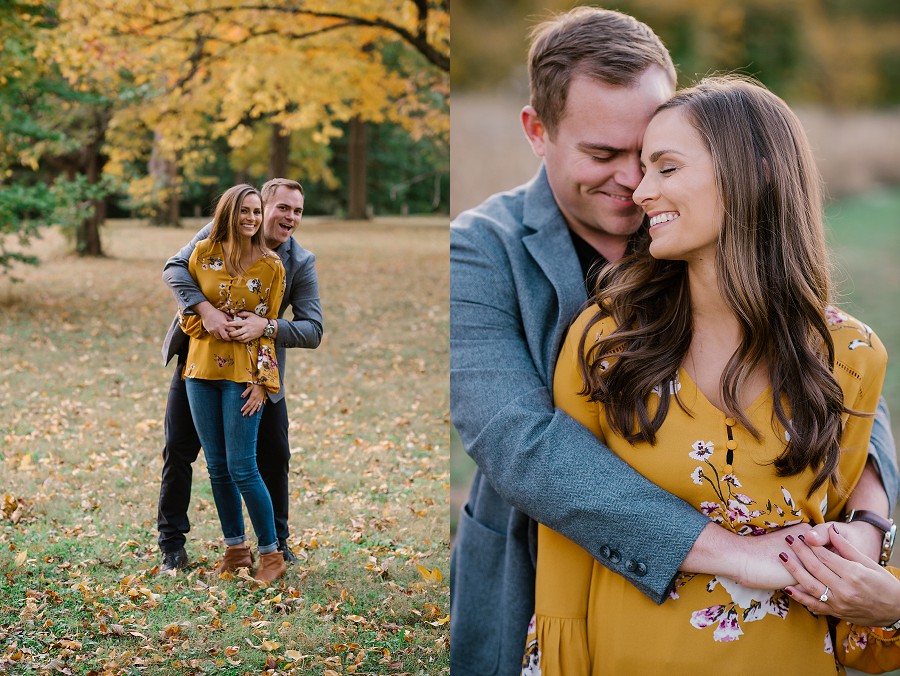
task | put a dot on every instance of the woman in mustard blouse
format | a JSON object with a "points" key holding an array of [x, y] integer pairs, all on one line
{"points": [[227, 381], [714, 364]]}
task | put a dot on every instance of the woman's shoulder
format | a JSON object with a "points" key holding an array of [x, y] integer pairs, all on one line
{"points": [[599, 322], [593, 321], [856, 346], [206, 246], [272, 259]]}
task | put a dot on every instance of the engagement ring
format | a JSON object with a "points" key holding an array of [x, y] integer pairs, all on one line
{"points": [[824, 597]]}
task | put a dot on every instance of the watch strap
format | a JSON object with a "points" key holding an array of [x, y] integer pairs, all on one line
{"points": [[892, 627], [883, 524]]}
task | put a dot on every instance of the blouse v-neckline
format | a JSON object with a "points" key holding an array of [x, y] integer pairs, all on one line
{"points": [[221, 246], [761, 398]]}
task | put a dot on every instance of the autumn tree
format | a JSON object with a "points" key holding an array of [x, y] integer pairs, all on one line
{"points": [[209, 69], [51, 136]]}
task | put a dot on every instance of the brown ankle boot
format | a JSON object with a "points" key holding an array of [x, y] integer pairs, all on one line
{"points": [[236, 556], [271, 566]]}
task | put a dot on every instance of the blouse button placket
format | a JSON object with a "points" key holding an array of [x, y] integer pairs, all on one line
{"points": [[731, 444]]}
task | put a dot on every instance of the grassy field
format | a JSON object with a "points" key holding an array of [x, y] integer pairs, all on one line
{"points": [[83, 397], [864, 234]]}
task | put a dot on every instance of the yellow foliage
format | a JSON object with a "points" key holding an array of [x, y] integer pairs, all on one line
{"points": [[193, 70]]}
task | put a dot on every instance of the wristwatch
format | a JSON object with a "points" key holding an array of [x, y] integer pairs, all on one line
{"points": [[886, 526], [270, 329], [893, 627]]}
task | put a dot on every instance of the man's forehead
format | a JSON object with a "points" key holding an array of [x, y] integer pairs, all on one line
{"points": [[289, 196]]}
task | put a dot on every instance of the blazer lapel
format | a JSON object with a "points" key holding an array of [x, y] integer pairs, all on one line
{"points": [[550, 245]]}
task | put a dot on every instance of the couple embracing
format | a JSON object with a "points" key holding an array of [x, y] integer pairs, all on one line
{"points": [[233, 283], [680, 440]]}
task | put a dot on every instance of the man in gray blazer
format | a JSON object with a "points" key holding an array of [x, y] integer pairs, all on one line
{"points": [[520, 265], [283, 210]]}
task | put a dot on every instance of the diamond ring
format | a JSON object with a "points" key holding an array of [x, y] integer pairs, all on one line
{"points": [[824, 597]]}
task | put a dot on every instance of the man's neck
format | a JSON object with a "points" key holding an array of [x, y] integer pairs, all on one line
{"points": [[273, 245], [611, 247]]}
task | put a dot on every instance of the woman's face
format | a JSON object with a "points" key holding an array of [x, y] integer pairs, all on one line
{"points": [[678, 191], [251, 215]]}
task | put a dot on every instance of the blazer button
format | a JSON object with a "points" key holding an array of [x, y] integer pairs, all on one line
{"points": [[641, 570], [614, 556], [605, 552], [630, 566]]}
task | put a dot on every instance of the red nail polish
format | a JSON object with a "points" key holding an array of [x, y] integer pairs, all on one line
{"points": [[835, 529], [783, 557], [802, 539], [788, 592], [789, 539]]}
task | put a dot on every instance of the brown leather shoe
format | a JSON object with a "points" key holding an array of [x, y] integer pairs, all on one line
{"points": [[271, 566], [236, 556]]}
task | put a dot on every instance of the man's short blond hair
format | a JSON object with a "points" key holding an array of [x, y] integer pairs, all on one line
{"points": [[270, 186], [601, 44]]}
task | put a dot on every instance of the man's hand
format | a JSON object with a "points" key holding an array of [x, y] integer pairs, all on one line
{"points": [[214, 320], [750, 560], [246, 326], [862, 535]]}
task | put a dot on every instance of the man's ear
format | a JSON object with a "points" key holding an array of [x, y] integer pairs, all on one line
{"points": [[534, 130]]}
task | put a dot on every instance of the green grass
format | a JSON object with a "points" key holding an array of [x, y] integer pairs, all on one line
{"points": [[864, 234], [83, 399]]}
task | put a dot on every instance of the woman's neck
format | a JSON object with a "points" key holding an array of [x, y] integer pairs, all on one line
{"points": [[716, 336]]}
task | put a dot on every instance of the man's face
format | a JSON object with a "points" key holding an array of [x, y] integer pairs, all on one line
{"points": [[593, 159], [283, 212]]}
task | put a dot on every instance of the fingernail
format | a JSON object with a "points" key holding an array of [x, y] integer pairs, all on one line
{"points": [[802, 539], [835, 529], [783, 557], [788, 592], [789, 539]]}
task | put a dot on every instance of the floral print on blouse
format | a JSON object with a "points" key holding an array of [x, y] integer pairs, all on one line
{"points": [[260, 291], [589, 618]]}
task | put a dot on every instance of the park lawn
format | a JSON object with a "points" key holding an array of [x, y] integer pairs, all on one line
{"points": [[83, 397], [864, 234]]}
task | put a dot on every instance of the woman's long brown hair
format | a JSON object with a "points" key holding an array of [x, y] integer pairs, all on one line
{"points": [[773, 271]]}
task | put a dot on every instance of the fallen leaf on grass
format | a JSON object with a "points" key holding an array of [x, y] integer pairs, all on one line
{"points": [[430, 575]]}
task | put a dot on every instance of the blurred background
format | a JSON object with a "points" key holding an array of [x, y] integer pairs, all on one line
{"points": [[836, 63]]}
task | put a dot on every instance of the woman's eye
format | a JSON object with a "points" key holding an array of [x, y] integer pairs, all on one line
{"points": [[667, 170]]}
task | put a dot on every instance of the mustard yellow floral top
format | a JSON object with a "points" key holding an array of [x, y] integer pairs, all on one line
{"points": [[259, 291], [592, 621]]}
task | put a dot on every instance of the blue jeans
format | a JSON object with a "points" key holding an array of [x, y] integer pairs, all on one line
{"points": [[229, 443]]}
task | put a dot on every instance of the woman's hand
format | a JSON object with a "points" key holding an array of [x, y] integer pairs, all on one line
{"points": [[256, 397], [859, 590]]}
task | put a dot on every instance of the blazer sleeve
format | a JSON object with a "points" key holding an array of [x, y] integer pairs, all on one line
{"points": [[305, 329], [191, 324], [538, 458], [178, 278], [883, 451]]}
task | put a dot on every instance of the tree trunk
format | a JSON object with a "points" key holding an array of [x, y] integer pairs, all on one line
{"points": [[166, 195], [88, 233], [279, 148], [356, 206]]}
